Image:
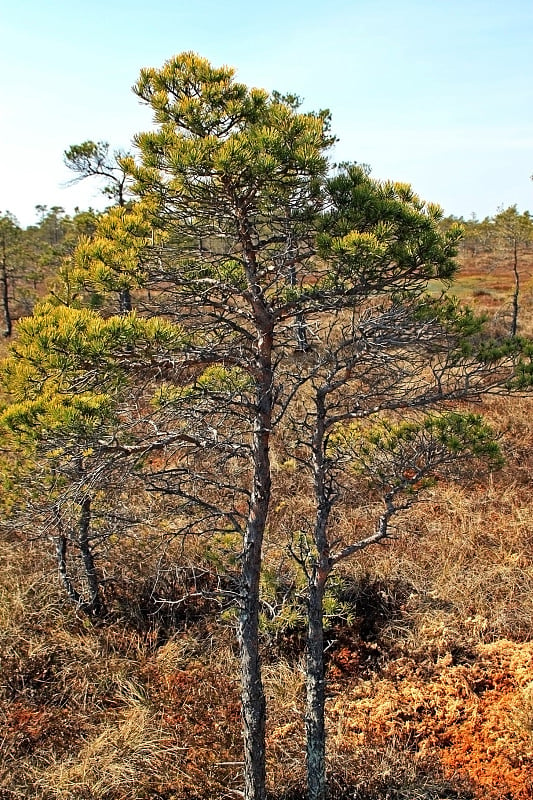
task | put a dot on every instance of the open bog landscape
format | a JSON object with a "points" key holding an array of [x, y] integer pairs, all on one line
{"points": [[266, 421]]}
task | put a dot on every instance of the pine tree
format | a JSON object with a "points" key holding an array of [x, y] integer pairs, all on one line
{"points": [[75, 420], [9, 236], [513, 233]]}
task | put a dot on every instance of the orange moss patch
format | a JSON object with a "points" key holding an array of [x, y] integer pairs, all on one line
{"points": [[26, 728], [477, 716], [494, 746]]}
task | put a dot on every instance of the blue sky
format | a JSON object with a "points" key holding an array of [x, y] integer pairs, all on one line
{"points": [[437, 93]]}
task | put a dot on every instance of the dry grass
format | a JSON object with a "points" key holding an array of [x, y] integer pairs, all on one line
{"points": [[438, 659], [120, 762]]}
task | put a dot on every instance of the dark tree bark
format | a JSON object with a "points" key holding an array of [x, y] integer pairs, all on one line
{"points": [[95, 604], [315, 692], [320, 569], [4, 280], [253, 697], [61, 543], [124, 301]]}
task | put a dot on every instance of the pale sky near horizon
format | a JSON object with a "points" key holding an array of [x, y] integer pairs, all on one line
{"points": [[436, 93]]}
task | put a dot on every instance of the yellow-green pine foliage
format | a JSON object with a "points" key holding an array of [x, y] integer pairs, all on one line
{"points": [[111, 260], [412, 454], [70, 367]]}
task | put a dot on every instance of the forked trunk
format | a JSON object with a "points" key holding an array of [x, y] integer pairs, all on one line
{"points": [[80, 537]]}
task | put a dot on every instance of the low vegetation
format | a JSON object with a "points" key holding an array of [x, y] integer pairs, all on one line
{"points": [[430, 662]]}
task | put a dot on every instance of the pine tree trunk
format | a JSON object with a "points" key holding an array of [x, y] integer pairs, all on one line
{"points": [[124, 301], [61, 543], [95, 604], [316, 695], [5, 292], [253, 698], [315, 677]]}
